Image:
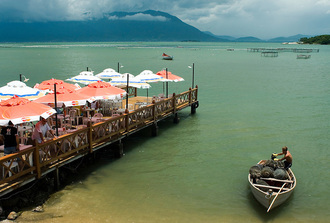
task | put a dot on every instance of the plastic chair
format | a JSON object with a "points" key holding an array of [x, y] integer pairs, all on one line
{"points": [[71, 119]]}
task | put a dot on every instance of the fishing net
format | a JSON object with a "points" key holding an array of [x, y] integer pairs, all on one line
{"points": [[280, 174], [262, 182], [274, 164], [255, 171], [271, 168], [267, 172]]}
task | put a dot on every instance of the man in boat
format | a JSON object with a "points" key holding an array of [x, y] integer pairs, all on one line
{"points": [[287, 157]]}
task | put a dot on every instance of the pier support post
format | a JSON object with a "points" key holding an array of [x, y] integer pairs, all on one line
{"points": [[193, 107], [57, 178], [154, 129], [176, 119], [119, 151]]}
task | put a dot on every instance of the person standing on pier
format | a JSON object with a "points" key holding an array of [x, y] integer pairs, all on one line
{"points": [[10, 137], [41, 130]]}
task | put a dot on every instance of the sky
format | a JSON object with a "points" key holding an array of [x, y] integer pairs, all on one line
{"points": [[264, 19]]}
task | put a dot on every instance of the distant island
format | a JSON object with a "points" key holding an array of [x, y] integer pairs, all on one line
{"points": [[322, 39]]}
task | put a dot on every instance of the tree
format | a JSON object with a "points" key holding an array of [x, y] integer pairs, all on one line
{"points": [[322, 39]]}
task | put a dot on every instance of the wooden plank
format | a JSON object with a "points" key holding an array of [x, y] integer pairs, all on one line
{"points": [[270, 187], [274, 179]]}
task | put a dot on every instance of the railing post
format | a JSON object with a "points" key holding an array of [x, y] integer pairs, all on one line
{"points": [[126, 120], [90, 136], [36, 159], [153, 110], [174, 103], [190, 96], [194, 101]]}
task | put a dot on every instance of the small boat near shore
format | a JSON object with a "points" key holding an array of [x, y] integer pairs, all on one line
{"points": [[167, 57], [270, 191]]}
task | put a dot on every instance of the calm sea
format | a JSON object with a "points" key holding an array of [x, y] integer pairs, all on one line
{"points": [[196, 171]]}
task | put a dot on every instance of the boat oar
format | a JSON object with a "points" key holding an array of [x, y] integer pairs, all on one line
{"points": [[270, 206]]}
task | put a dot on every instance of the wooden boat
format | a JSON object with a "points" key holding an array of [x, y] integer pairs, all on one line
{"points": [[167, 57], [278, 190]]}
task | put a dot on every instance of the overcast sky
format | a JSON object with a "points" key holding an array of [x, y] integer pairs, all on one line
{"points": [[260, 18]]}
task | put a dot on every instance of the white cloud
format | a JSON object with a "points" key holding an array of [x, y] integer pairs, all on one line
{"points": [[260, 18]]}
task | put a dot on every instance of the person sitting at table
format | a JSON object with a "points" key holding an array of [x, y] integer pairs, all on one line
{"points": [[41, 130], [95, 105], [10, 138]]}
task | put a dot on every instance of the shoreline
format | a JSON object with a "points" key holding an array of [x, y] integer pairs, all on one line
{"points": [[34, 195]]}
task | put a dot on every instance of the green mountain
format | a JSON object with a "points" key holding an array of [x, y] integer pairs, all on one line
{"points": [[249, 39], [117, 26]]}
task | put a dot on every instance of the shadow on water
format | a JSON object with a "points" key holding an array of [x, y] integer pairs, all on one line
{"points": [[106, 155], [261, 211], [142, 136], [74, 174]]}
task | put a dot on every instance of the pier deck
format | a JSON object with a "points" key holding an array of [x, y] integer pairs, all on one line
{"points": [[19, 169]]}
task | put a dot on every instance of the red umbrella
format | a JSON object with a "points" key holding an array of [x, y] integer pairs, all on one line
{"points": [[19, 110], [64, 96], [169, 76], [102, 90], [49, 85]]}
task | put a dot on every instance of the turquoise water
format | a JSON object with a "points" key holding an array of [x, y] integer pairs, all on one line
{"points": [[196, 171]]}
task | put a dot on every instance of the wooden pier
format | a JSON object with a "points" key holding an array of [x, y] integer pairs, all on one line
{"points": [[26, 166]]}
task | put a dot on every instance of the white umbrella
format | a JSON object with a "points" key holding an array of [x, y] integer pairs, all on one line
{"points": [[132, 81], [149, 77], [84, 77], [21, 90], [108, 73]]}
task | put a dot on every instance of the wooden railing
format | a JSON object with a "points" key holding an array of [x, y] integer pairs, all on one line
{"points": [[38, 160]]}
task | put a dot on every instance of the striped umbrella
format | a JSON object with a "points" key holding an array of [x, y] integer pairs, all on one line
{"points": [[149, 77], [21, 90], [132, 81], [84, 77], [108, 73]]}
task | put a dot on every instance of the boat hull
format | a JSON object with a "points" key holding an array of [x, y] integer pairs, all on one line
{"points": [[263, 197], [168, 58]]}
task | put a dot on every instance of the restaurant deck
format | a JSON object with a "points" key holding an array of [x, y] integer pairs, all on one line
{"points": [[34, 162]]}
